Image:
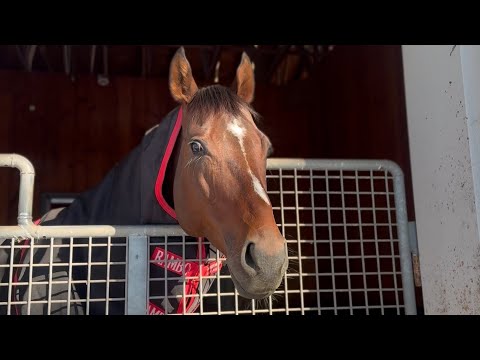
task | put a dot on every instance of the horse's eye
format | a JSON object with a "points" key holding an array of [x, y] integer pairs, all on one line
{"points": [[196, 147]]}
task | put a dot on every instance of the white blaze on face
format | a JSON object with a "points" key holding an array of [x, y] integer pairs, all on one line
{"points": [[257, 186], [239, 132]]}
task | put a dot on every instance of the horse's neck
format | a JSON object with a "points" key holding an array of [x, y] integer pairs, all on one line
{"points": [[170, 173]]}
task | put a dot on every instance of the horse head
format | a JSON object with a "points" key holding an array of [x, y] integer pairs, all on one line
{"points": [[219, 186]]}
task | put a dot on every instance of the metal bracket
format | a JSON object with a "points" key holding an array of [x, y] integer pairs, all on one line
{"points": [[412, 237], [137, 275]]}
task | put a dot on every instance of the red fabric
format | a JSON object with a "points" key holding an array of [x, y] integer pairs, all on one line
{"points": [[163, 167], [15, 274]]}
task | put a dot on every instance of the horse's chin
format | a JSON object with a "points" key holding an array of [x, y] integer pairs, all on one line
{"points": [[246, 294]]}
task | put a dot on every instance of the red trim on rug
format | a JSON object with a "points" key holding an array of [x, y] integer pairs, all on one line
{"points": [[163, 167]]}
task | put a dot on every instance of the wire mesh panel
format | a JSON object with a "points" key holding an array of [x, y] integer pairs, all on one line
{"points": [[342, 237], [346, 229], [347, 254], [63, 276]]}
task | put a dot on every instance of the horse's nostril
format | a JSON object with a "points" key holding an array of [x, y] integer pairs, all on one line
{"points": [[248, 256]]}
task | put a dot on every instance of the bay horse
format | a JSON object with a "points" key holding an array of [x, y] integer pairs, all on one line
{"points": [[202, 167]]}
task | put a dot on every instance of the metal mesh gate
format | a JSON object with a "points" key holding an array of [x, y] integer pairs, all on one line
{"points": [[346, 227]]}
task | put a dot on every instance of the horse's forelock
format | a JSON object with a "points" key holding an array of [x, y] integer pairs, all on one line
{"points": [[217, 99]]}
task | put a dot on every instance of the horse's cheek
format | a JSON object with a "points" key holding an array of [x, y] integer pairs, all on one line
{"points": [[205, 188]]}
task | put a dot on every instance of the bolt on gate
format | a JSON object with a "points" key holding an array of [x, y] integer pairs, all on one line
{"points": [[345, 222]]}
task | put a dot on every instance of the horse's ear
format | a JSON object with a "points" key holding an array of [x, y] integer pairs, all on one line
{"points": [[181, 82], [244, 83]]}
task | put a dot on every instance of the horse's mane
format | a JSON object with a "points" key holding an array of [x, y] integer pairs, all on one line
{"points": [[215, 99]]}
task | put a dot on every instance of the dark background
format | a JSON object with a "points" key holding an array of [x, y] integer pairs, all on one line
{"points": [[329, 102]]}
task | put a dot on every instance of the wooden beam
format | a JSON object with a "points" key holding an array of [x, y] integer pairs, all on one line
{"points": [[210, 59], [21, 55], [214, 61], [105, 60], [144, 60], [93, 53], [73, 62], [303, 64], [43, 52], [67, 56], [26, 55], [205, 56], [251, 50], [279, 57], [30, 51]]}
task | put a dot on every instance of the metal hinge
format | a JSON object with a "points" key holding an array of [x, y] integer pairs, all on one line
{"points": [[412, 237]]}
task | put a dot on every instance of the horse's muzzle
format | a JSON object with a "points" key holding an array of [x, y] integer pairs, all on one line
{"points": [[260, 269]]}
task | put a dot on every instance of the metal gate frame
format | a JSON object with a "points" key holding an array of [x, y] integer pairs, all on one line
{"points": [[137, 236]]}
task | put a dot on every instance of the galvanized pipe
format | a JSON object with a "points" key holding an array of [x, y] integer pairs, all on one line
{"points": [[403, 242], [39, 232], [27, 176], [330, 164]]}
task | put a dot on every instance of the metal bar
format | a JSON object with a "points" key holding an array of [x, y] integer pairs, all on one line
{"points": [[184, 302], [137, 279], [30, 280], [392, 249], [344, 217], [50, 273], [107, 290], [219, 301], [165, 275], [315, 254], [403, 243], [270, 309], [39, 231], [330, 236], [299, 248], [236, 301], [372, 194], [10, 277], [89, 274], [362, 255], [329, 164], [27, 176], [282, 217], [70, 264], [148, 273], [200, 280]]}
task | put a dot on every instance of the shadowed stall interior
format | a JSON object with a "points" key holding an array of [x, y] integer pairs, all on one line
{"points": [[333, 102]]}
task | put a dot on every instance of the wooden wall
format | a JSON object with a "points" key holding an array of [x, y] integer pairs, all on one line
{"points": [[351, 107]]}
